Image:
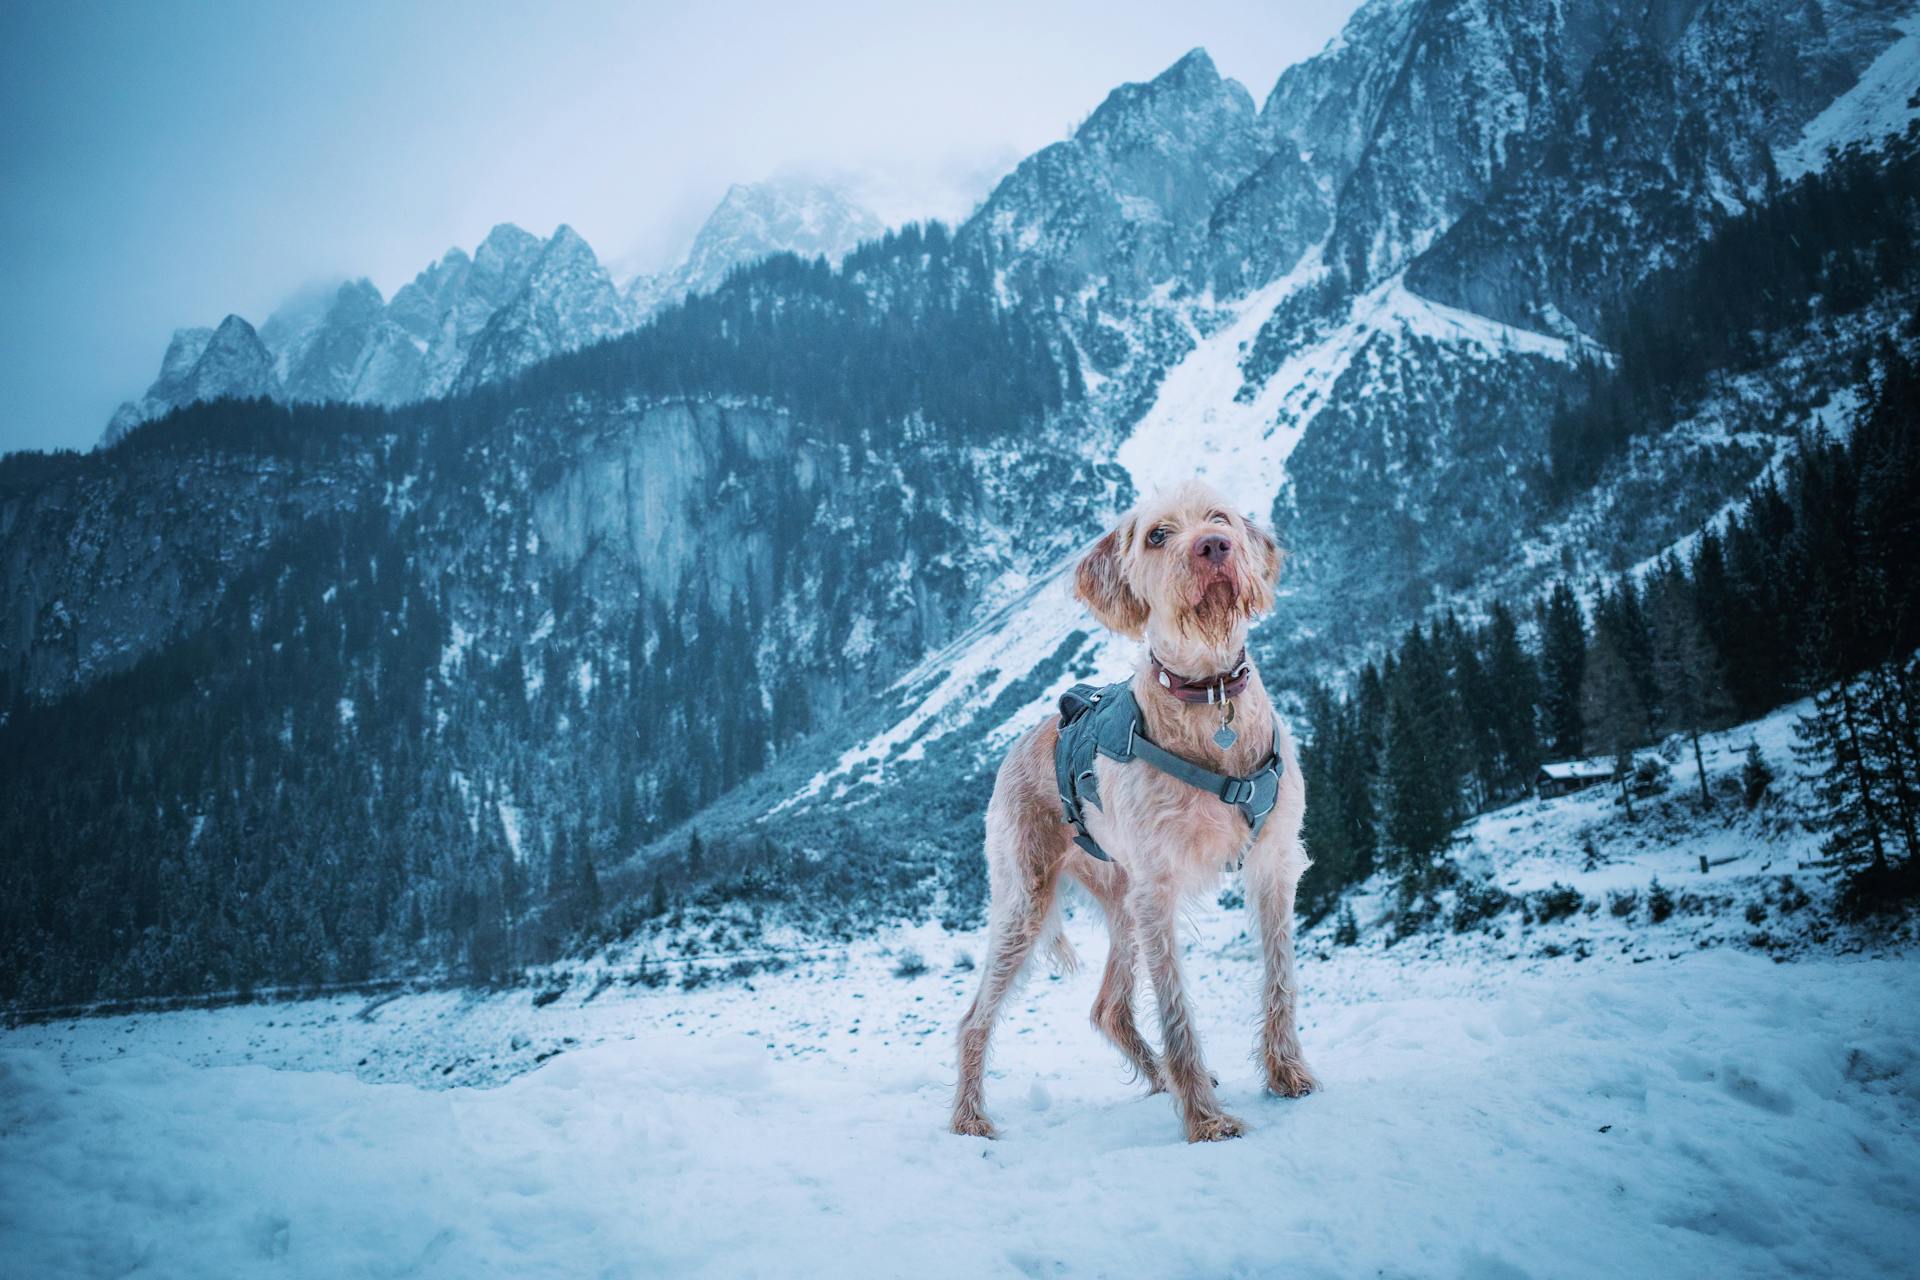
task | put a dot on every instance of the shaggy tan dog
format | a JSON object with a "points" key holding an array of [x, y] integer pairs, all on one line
{"points": [[1187, 575]]}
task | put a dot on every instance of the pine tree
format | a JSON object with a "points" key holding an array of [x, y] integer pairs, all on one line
{"points": [[1422, 761], [1693, 695], [1513, 684], [1563, 657], [1612, 698], [1851, 799], [1756, 775], [1888, 697]]}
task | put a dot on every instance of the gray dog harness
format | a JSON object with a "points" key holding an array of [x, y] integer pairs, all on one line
{"points": [[1106, 722]]}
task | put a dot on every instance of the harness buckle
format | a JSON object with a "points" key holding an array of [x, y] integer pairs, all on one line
{"points": [[1237, 790]]}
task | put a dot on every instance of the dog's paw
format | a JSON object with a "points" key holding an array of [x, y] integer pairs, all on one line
{"points": [[1217, 1127], [972, 1124], [1290, 1079]]}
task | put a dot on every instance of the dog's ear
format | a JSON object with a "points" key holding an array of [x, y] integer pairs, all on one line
{"points": [[1101, 582], [1267, 559]]}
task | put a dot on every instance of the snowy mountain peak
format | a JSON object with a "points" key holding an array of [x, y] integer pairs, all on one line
{"points": [[200, 364], [566, 240], [183, 352], [1195, 67], [1189, 95], [567, 301], [506, 243], [753, 220]]}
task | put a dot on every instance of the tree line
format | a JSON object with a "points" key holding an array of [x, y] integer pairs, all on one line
{"points": [[1809, 588], [1826, 247]]}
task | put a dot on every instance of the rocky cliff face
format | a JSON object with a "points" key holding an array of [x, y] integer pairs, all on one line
{"points": [[1125, 203]]}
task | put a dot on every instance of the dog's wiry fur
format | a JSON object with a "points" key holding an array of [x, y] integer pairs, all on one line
{"points": [[1168, 840]]}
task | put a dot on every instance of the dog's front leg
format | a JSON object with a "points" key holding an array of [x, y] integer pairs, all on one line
{"points": [[1270, 890], [1155, 914]]}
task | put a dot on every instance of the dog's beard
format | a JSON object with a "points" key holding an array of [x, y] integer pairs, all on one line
{"points": [[1215, 612]]}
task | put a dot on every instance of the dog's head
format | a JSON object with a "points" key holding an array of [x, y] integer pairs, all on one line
{"points": [[1182, 569]]}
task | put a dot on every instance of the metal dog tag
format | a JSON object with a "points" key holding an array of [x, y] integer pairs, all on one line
{"points": [[1224, 736]]}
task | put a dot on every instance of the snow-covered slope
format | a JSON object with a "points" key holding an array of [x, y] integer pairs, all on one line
{"points": [[1199, 423], [1885, 101]]}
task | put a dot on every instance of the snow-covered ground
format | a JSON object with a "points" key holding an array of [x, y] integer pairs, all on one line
{"points": [[1601, 1094], [1718, 1114]]}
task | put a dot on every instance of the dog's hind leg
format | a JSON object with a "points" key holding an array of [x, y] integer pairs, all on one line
{"points": [[1023, 862], [1113, 1013]]}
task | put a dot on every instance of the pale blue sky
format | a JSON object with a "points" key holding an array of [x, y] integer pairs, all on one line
{"points": [[163, 164]]}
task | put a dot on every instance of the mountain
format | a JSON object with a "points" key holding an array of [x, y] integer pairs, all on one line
{"points": [[203, 364], [739, 605], [466, 321], [346, 343], [753, 220], [566, 301]]}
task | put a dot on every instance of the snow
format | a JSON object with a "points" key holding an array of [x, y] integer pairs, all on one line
{"points": [[1885, 100], [510, 827], [1198, 425], [1605, 1095], [1714, 1115], [971, 672], [1567, 770]]}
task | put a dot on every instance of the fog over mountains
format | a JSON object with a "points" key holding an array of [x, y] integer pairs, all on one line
{"points": [[470, 319], [512, 605]]}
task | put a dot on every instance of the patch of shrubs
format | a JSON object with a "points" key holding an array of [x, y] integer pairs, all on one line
{"points": [[1346, 929], [1414, 916], [910, 965], [1621, 902], [1659, 902], [1789, 897], [1557, 902], [1478, 901], [1650, 776]]}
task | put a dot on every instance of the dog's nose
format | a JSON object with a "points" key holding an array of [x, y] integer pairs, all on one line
{"points": [[1213, 548]]}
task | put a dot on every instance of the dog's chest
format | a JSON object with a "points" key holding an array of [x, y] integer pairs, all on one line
{"points": [[1150, 821]]}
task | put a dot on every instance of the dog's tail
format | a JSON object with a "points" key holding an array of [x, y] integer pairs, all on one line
{"points": [[1060, 952]]}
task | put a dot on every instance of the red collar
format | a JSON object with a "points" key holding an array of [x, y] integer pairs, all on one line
{"points": [[1224, 687]]}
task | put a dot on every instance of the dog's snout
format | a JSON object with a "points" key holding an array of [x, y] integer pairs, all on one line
{"points": [[1214, 548]]}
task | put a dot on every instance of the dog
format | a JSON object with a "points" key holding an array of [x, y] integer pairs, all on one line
{"points": [[1187, 575]]}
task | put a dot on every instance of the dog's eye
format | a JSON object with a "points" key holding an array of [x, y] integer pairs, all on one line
{"points": [[1220, 517], [1157, 536]]}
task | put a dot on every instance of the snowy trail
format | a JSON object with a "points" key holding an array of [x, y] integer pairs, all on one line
{"points": [[1759, 1119]]}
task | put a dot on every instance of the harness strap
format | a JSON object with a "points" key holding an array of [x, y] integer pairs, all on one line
{"points": [[1108, 722]]}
